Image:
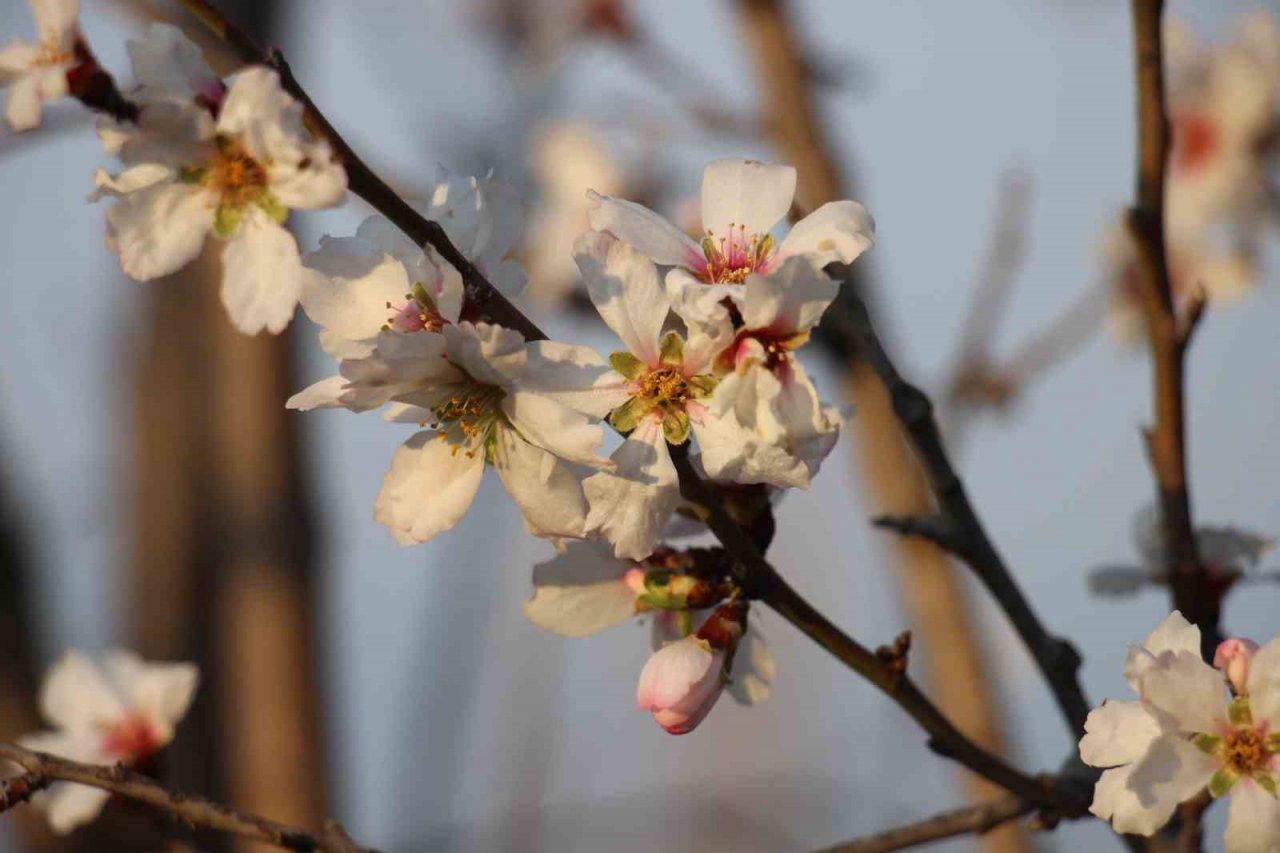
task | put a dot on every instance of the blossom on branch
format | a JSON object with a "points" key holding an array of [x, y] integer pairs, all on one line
{"points": [[37, 72], [123, 711], [236, 174], [1184, 734]]}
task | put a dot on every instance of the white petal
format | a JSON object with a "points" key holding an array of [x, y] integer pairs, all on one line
{"points": [[1174, 634], [346, 289], [325, 394], [745, 193], [580, 591], [623, 286], [507, 277], [166, 61], [791, 299], [162, 692], [160, 229], [261, 275], [645, 231], [631, 507], [23, 111], [69, 806], [490, 354], [555, 427], [1115, 801], [1184, 693], [17, 57], [55, 17], [428, 487], [549, 495], [1253, 819], [1264, 684], [131, 180], [701, 305], [574, 375], [408, 368], [1172, 771], [1117, 733], [751, 677], [76, 694], [837, 231]]}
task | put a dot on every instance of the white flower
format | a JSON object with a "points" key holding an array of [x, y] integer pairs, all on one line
{"points": [[742, 201], [585, 589], [654, 392], [567, 158], [124, 711], [783, 429], [467, 382], [482, 218], [237, 176], [1183, 735], [38, 72], [168, 64]]}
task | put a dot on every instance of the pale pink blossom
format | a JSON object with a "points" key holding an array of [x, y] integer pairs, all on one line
{"points": [[682, 681], [37, 72], [1232, 658]]}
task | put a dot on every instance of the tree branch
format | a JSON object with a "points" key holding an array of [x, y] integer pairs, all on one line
{"points": [[965, 535], [971, 820], [42, 769], [1166, 441]]}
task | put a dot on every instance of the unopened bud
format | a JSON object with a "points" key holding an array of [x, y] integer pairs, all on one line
{"points": [[1232, 658]]}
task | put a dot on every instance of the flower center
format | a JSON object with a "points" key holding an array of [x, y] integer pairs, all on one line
{"points": [[730, 259], [665, 386], [235, 175], [1244, 750], [770, 349], [130, 739], [418, 314], [52, 53], [1195, 142], [470, 413]]}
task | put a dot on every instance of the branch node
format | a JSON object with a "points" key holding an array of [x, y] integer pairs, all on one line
{"points": [[934, 527], [893, 657]]}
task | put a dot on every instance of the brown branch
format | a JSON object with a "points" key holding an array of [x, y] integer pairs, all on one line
{"points": [[965, 535], [971, 820], [43, 769], [20, 789], [1169, 334]]}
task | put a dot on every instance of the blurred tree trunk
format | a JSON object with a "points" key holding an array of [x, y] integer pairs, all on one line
{"points": [[222, 568], [934, 596], [19, 670]]}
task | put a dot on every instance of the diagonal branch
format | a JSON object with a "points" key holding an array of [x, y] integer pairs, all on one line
{"points": [[965, 535], [970, 820], [42, 769], [1170, 334]]}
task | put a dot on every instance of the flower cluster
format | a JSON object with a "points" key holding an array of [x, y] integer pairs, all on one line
{"points": [[1194, 726], [122, 711], [1225, 122]]}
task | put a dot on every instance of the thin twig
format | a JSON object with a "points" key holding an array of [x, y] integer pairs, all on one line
{"points": [[1166, 441], [190, 810], [971, 820], [965, 535]]}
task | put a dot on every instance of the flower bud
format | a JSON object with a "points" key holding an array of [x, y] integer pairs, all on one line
{"points": [[681, 682], [1232, 658]]}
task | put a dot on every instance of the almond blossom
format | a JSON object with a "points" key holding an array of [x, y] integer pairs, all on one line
{"points": [[122, 711], [236, 175], [1184, 735], [682, 681], [742, 201], [764, 387], [168, 64], [654, 392], [38, 72]]}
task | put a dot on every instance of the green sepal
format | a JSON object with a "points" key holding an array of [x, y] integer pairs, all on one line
{"points": [[226, 222], [1273, 743], [1221, 782], [192, 174], [273, 208], [626, 417], [422, 296], [675, 427], [684, 621], [1207, 743], [702, 385], [671, 352], [1239, 712], [627, 365], [1267, 782]]}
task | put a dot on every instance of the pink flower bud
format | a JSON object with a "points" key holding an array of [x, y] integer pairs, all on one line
{"points": [[1232, 657], [680, 683]]}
